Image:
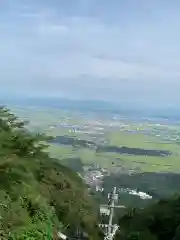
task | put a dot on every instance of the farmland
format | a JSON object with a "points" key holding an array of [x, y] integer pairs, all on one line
{"points": [[107, 132], [108, 150]]}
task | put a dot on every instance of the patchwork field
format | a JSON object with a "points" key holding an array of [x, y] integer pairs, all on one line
{"points": [[115, 160], [116, 133]]}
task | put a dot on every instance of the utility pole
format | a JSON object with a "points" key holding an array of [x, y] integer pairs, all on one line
{"points": [[110, 228]]}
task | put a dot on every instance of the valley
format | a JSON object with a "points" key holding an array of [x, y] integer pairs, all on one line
{"points": [[140, 157]]}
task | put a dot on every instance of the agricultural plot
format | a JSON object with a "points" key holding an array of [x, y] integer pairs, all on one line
{"points": [[116, 134]]}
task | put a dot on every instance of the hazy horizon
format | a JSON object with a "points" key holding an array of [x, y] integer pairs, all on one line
{"points": [[157, 113]]}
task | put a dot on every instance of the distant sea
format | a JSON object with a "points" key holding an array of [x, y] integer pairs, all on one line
{"points": [[134, 111]]}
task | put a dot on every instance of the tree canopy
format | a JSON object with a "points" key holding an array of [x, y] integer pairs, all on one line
{"points": [[160, 221], [38, 196]]}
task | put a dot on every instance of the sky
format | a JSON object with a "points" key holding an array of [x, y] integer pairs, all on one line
{"points": [[118, 50]]}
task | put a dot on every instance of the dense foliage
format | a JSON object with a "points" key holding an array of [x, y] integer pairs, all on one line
{"points": [[158, 185], [160, 221], [38, 196]]}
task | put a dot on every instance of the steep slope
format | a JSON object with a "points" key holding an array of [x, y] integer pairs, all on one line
{"points": [[38, 196]]}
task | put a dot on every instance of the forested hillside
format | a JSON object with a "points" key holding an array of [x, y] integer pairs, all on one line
{"points": [[160, 221], [38, 196]]}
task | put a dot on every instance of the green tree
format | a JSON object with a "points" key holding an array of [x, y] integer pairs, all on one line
{"points": [[159, 221], [37, 193]]}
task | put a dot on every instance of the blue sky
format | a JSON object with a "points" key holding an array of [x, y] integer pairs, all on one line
{"points": [[91, 49]]}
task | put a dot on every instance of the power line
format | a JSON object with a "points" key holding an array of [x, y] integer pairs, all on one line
{"points": [[110, 228]]}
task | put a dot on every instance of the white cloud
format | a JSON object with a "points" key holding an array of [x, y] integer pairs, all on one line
{"points": [[61, 46]]}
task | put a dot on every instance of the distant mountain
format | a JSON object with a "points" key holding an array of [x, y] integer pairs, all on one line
{"points": [[128, 109]]}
